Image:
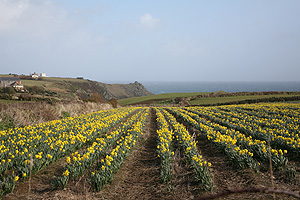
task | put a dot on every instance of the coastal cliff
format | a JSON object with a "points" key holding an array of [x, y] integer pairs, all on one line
{"points": [[122, 91], [84, 89], [78, 89]]}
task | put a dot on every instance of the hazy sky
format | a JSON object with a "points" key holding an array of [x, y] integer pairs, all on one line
{"points": [[158, 40]]}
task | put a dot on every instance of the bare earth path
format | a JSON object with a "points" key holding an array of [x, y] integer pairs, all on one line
{"points": [[139, 176]]}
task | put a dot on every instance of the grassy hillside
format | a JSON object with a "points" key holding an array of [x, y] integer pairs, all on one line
{"points": [[74, 89]]}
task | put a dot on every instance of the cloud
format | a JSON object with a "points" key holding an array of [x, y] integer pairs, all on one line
{"points": [[31, 18], [44, 35], [148, 21], [43, 22], [10, 13]]}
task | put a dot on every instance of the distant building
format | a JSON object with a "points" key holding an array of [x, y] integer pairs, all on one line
{"points": [[43, 75], [18, 86], [34, 75], [14, 82], [8, 81]]}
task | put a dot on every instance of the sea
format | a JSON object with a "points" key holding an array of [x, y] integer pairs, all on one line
{"points": [[179, 87]]}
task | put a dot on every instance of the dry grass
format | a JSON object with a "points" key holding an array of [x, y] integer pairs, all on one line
{"points": [[24, 114]]}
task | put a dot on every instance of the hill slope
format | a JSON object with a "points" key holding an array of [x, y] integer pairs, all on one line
{"points": [[71, 88]]}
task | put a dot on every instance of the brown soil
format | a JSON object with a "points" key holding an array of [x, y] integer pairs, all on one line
{"points": [[139, 176], [226, 176]]}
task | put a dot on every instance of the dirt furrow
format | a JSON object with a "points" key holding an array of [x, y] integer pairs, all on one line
{"points": [[41, 184], [227, 176], [139, 176]]}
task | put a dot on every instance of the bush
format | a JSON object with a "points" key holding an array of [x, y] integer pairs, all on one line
{"points": [[8, 90], [6, 122], [64, 114], [95, 97], [25, 97], [23, 77], [113, 102], [5, 96], [35, 90]]}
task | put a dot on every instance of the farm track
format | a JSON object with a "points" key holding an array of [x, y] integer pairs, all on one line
{"points": [[139, 176]]}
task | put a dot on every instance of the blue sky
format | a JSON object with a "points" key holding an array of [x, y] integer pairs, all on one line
{"points": [[125, 41]]}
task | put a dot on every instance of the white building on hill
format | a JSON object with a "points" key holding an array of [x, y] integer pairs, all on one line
{"points": [[43, 75], [34, 75]]}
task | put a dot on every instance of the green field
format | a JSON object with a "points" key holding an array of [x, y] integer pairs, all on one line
{"points": [[170, 97], [156, 98], [214, 100], [48, 81], [30, 83]]}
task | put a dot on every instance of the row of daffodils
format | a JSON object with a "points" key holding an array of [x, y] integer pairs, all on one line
{"points": [[164, 146], [95, 145], [28, 150], [239, 155], [255, 135], [186, 143], [78, 163], [250, 135], [114, 159], [279, 124]]}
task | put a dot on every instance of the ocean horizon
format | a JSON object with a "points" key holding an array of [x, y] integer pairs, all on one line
{"points": [[159, 87]]}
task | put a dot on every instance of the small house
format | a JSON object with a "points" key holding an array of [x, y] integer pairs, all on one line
{"points": [[9, 81], [34, 75], [17, 86], [43, 75]]}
